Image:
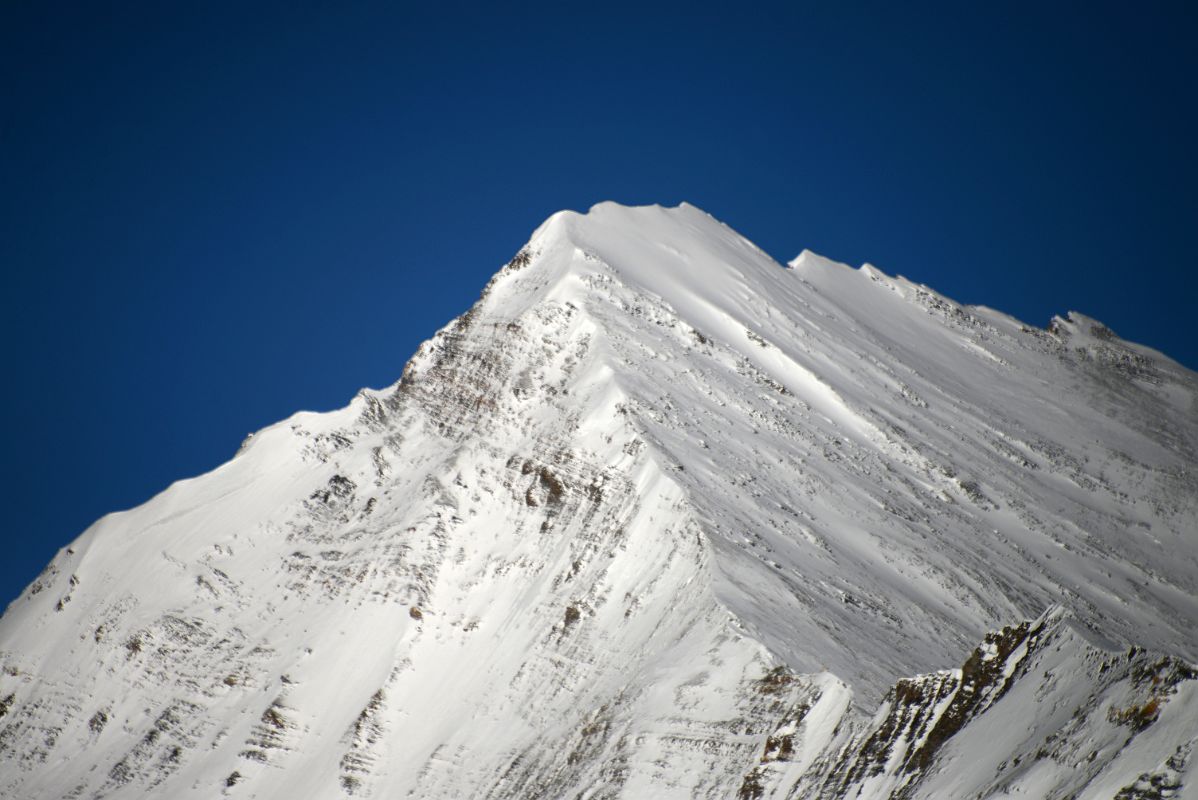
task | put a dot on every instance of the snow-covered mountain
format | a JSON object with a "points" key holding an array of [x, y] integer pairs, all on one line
{"points": [[657, 518]]}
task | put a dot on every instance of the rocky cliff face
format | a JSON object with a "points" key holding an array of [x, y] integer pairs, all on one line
{"points": [[656, 518], [1036, 711]]}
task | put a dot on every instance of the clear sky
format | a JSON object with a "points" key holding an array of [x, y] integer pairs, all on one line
{"points": [[215, 215]]}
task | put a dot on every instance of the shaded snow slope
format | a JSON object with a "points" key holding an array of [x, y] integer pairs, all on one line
{"points": [[657, 517]]}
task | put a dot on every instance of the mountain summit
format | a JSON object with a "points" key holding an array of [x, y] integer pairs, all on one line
{"points": [[657, 517]]}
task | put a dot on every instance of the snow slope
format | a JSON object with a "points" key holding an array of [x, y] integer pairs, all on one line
{"points": [[657, 517]]}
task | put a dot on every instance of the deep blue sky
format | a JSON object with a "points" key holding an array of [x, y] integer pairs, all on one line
{"points": [[215, 216]]}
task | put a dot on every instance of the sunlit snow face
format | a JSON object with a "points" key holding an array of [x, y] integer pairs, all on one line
{"points": [[658, 517]]}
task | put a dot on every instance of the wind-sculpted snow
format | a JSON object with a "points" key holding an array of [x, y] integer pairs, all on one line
{"points": [[658, 517]]}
